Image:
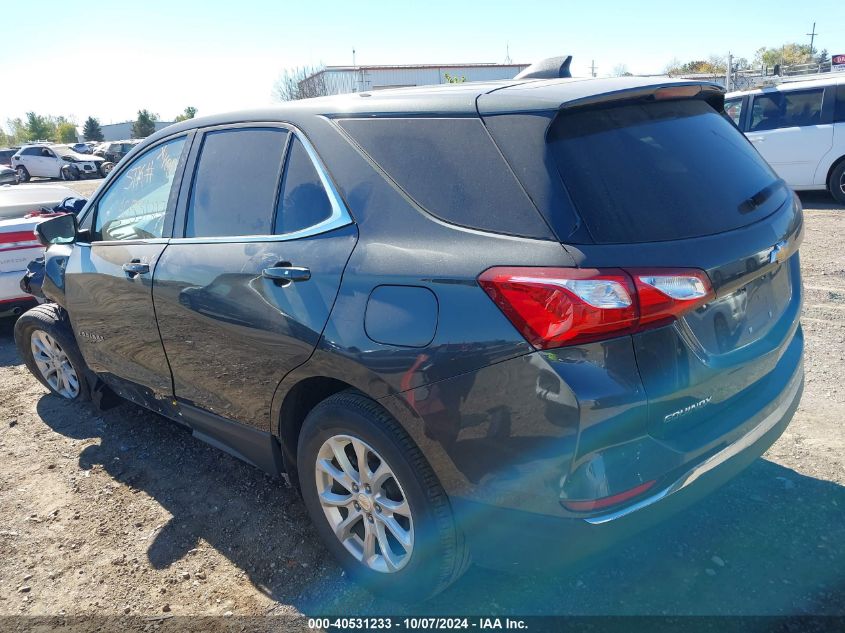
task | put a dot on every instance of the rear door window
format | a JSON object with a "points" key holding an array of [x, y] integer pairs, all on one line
{"points": [[236, 183], [839, 109], [661, 171], [794, 108]]}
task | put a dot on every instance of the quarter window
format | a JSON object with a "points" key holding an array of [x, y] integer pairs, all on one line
{"points": [[135, 204], [236, 183], [303, 201], [795, 108]]}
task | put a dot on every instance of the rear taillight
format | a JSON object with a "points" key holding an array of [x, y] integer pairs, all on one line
{"points": [[554, 307]]}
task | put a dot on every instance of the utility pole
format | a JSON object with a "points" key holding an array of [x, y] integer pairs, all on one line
{"points": [[812, 39], [728, 73], [593, 68]]}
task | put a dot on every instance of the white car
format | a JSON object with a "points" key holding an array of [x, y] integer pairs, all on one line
{"points": [[799, 128], [54, 161], [18, 245]]}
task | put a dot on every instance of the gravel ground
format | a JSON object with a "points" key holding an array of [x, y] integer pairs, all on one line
{"points": [[124, 513]]}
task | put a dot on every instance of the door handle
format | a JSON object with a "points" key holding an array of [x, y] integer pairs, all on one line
{"points": [[757, 139], [133, 269], [283, 275]]}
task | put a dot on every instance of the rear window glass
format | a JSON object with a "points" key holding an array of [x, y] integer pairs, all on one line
{"points": [[452, 169], [661, 171]]}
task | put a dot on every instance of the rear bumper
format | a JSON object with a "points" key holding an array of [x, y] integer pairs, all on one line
{"points": [[496, 534]]}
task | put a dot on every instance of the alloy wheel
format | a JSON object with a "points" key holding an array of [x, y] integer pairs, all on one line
{"points": [[364, 503], [54, 364]]}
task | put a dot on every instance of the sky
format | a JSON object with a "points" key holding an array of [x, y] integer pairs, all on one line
{"points": [[110, 59]]}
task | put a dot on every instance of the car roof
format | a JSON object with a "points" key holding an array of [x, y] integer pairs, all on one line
{"points": [[801, 84], [462, 99]]}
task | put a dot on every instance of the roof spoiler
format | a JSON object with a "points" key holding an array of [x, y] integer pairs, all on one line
{"points": [[549, 68]]}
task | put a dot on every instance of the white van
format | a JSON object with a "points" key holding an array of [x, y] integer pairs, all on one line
{"points": [[799, 128]]}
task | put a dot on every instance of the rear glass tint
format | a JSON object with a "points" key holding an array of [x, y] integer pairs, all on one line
{"points": [[661, 171], [452, 169]]}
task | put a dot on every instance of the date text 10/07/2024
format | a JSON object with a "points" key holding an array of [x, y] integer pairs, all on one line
{"points": [[415, 624]]}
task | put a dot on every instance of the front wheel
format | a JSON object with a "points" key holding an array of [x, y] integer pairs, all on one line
{"points": [[836, 186], [45, 341], [376, 502], [105, 169]]}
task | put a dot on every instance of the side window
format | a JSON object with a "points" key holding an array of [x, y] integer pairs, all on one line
{"points": [[46, 153], [839, 110], [134, 205], [31, 151], [235, 183], [303, 201], [733, 108], [795, 108]]}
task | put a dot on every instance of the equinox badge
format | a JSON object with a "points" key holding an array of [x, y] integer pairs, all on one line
{"points": [[693, 407]]}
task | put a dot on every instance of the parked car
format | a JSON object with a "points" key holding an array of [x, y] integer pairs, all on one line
{"points": [[16, 202], [496, 322], [55, 161], [20, 209], [8, 176], [113, 153], [81, 148], [799, 128], [6, 154]]}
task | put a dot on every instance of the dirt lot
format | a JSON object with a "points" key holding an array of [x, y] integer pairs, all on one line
{"points": [[126, 513]]}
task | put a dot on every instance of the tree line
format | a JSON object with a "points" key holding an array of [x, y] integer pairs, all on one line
{"points": [[788, 54], [59, 129]]}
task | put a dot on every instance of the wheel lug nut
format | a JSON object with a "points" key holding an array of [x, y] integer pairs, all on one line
{"points": [[354, 487], [370, 518], [367, 488], [378, 508], [357, 505]]}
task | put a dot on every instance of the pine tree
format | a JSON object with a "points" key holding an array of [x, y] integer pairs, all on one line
{"points": [[91, 130], [144, 125]]}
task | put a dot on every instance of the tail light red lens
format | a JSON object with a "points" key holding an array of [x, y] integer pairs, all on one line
{"points": [[555, 307]]}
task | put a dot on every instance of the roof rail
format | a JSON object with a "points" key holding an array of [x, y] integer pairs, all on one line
{"points": [[549, 68]]}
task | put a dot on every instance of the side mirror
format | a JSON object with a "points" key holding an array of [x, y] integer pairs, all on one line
{"points": [[58, 230]]}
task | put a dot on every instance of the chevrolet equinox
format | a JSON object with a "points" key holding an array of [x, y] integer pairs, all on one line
{"points": [[505, 323]]}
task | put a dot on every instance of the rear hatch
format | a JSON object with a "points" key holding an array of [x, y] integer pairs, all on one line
{"points": [[657, 178]]}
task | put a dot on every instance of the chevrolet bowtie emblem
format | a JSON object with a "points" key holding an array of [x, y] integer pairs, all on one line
{"points": [[778, 253]]}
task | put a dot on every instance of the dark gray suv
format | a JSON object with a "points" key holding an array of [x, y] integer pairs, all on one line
{"points": [[453, 316]]}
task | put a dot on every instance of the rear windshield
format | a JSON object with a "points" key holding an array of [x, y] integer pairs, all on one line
{"points": [[661, 171]]}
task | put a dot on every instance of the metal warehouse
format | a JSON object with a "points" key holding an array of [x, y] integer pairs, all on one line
{"points": [[342, 79]]}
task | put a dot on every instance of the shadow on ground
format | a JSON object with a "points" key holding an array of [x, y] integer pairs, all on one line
{"points": [[8, 352], [772, 541]]}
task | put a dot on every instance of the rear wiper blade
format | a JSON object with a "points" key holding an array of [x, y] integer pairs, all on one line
{"points": [[760, 197]]}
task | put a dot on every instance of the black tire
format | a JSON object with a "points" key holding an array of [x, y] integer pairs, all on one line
{"points": [[23, 174], [51, 319], [105, 168], [70, 172], [440, 555], [836, 184]]}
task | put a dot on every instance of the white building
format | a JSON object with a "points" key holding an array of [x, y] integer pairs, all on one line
{"points": [[342, 79]]}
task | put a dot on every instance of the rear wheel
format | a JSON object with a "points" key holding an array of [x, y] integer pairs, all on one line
{"points": [[106, 168], [376, 502], [23, 174], [45, 342], [836, 186]]}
